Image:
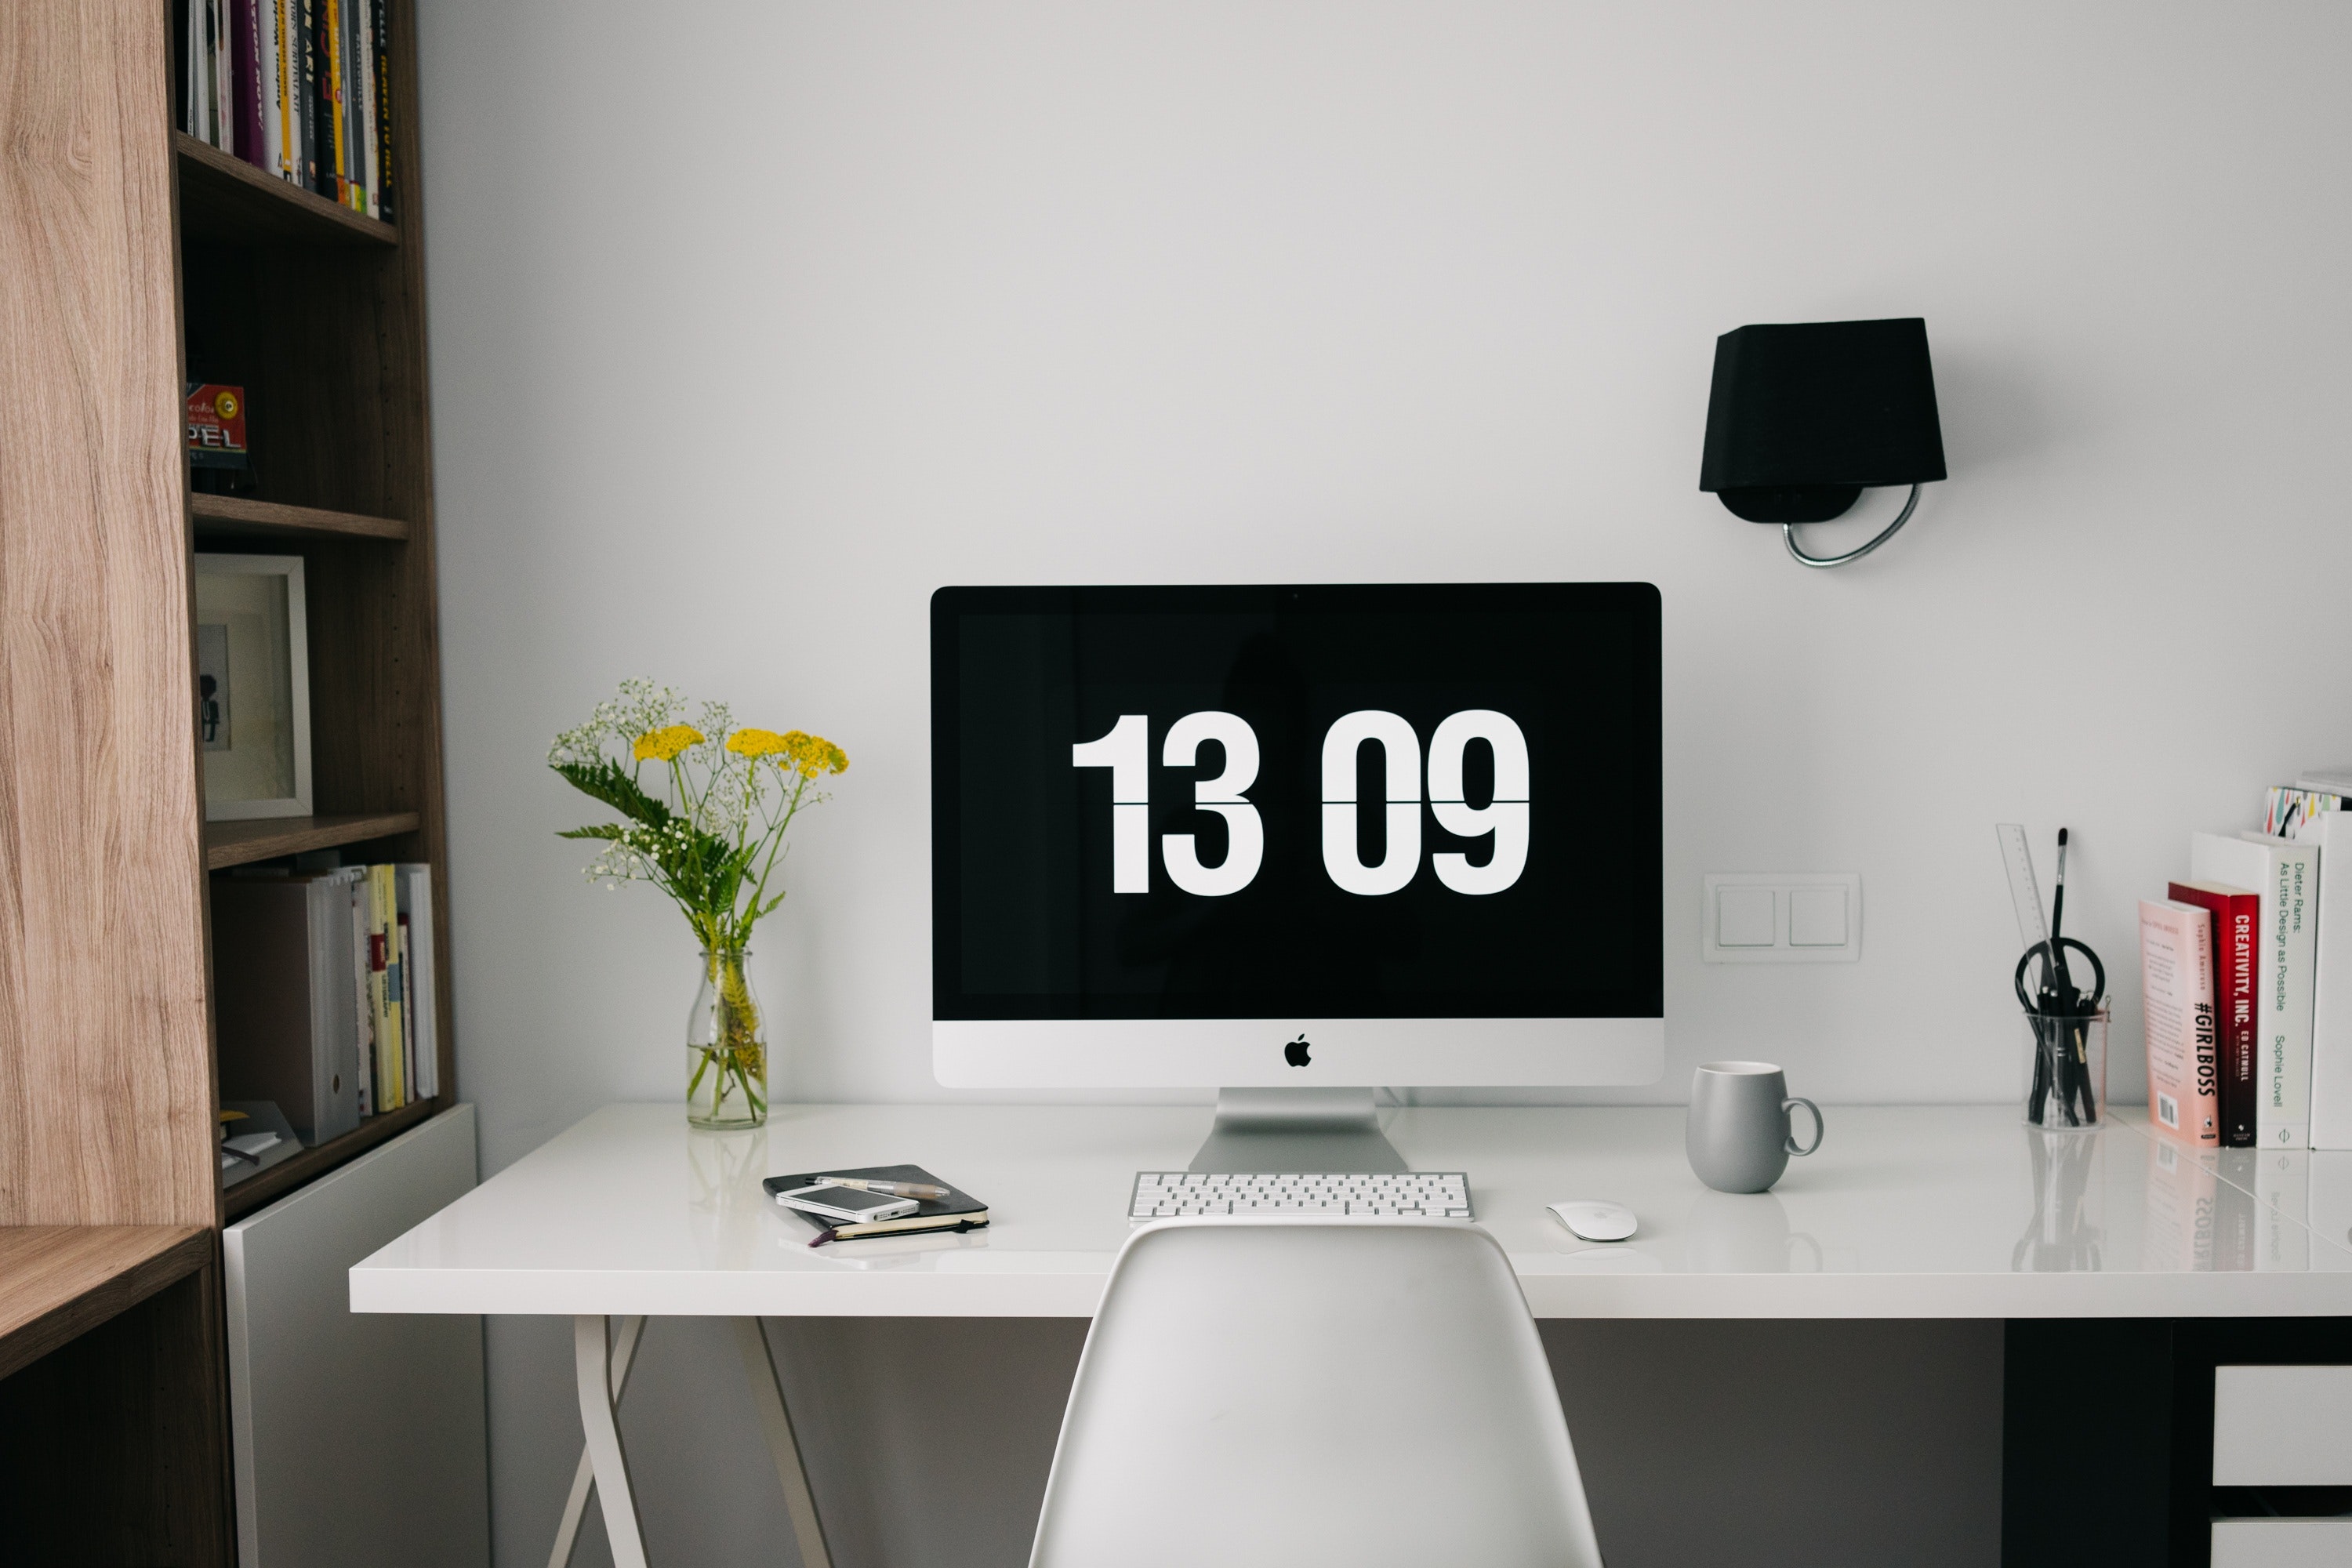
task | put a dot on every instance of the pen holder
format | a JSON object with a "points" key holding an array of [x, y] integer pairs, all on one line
{"points": [[2067, 1076]]}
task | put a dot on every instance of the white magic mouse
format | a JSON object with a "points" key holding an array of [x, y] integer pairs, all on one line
{"points": [[1595, 1221]]}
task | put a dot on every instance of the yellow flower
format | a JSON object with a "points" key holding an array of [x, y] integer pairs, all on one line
{"points": [[754, 743], [664, 744], [810, 755]]}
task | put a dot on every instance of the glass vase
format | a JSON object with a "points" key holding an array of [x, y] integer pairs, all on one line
{"points": [[726, 1048]]}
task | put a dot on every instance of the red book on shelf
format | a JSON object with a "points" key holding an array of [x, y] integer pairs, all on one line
{"points": [[2236, 922]]}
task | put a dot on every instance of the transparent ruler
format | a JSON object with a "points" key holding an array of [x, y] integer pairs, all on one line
{"points": [[2024, 892]]}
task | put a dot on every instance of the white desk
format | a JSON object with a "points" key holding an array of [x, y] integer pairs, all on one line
{"points": [[1922, 1212]]}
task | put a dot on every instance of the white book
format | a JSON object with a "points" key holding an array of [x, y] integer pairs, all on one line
{"points": [[2286, 875], [223, 76], [416, 903], [2331, 1007]]}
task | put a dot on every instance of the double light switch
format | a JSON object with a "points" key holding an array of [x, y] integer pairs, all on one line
{"points": [[1782, 918]]}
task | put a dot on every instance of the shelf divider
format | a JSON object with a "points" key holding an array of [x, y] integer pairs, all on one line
{"points": [[226, 198], [59, 1281], [268, 837], [243, 515]]}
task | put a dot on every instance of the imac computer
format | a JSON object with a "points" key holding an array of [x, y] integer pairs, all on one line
{"points": [[1293, 843]]}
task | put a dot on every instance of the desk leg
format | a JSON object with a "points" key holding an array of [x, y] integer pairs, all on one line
{"points": [[584, 1480], [776, 1423], [592, 1359]]}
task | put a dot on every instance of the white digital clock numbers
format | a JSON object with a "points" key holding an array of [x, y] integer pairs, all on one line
{"points": [[1126, 751]]}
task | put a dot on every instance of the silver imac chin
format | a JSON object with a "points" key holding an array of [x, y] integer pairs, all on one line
{"points": [[1297, 1053]]}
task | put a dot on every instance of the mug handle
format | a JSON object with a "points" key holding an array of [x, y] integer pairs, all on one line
{"points": [[1819, 1126]]}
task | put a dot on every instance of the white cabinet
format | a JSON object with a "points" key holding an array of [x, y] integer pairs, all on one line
{"points": [[2281, 1542], [2282, 1426], [359, 1438]]}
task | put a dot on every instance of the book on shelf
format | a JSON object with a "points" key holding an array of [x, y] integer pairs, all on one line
{"points": [[2176, 957], [299, 88], [2330, 832], [2283, 874], [2237, 917], [2288, 807], [361, 981], [421, 1005]]}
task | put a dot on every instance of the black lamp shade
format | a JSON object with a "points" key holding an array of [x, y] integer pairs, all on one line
{"points": [[1804, 416]]}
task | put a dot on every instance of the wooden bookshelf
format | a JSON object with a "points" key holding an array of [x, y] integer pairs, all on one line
{"points": [[230, 844], [220, 516], [133, 259]]}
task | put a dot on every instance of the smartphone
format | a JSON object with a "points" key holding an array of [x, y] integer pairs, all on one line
{"points": [[847, 1205]]}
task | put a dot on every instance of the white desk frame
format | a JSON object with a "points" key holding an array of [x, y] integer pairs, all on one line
{"points": [[1907, 1212]]}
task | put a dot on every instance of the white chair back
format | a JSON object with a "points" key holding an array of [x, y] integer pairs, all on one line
{"points": [[1293, 1394]]}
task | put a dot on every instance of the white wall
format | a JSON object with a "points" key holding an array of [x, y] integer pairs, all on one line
{"points": [[752, 327]]}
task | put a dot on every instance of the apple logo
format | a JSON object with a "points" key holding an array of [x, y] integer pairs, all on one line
{"points": [[1294, 1053]]}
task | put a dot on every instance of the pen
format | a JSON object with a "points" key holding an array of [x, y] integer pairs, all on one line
{"points": [[895, 1189]]}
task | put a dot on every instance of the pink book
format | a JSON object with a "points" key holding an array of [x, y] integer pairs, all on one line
{"points": [[2176, 963]]}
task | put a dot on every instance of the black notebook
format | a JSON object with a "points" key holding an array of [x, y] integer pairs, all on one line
{"points": [[957, 1211]]}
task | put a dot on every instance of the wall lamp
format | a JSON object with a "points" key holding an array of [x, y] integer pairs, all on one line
{"points": [[1804, 417]]}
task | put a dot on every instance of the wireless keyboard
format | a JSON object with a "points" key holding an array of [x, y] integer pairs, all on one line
{"points": [[1171, 1195]]}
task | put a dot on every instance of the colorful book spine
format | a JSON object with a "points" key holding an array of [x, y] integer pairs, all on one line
{"points": [[408, 1014], [245, 71], [2237, 918], [363, 896], [423, 1014], [385, 204], [386, 919], [269, 45], [2286, 875], [2176, 955], [304, 20], [363, 82], [331, 142]]}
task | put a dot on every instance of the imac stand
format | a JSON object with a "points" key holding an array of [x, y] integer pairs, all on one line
{"points": [[1310, 1131]]}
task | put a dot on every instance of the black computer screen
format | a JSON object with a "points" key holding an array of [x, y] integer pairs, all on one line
{"points": [[1453, 809]]}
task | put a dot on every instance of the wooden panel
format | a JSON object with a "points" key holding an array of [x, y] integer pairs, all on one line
{"points": [[105, 1066], [266, 839], [57, 1282], [113, 1449], [243, 515], [224, 196], [288, 1173]]}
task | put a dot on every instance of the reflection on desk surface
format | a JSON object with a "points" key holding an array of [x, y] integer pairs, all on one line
{"points": [[1936, 1204]]}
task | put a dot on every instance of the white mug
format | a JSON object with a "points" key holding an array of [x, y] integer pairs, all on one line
{"points": [[1737, 1134]]}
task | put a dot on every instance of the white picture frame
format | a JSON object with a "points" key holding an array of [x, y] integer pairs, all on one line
{"points": [[253, 686]]}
